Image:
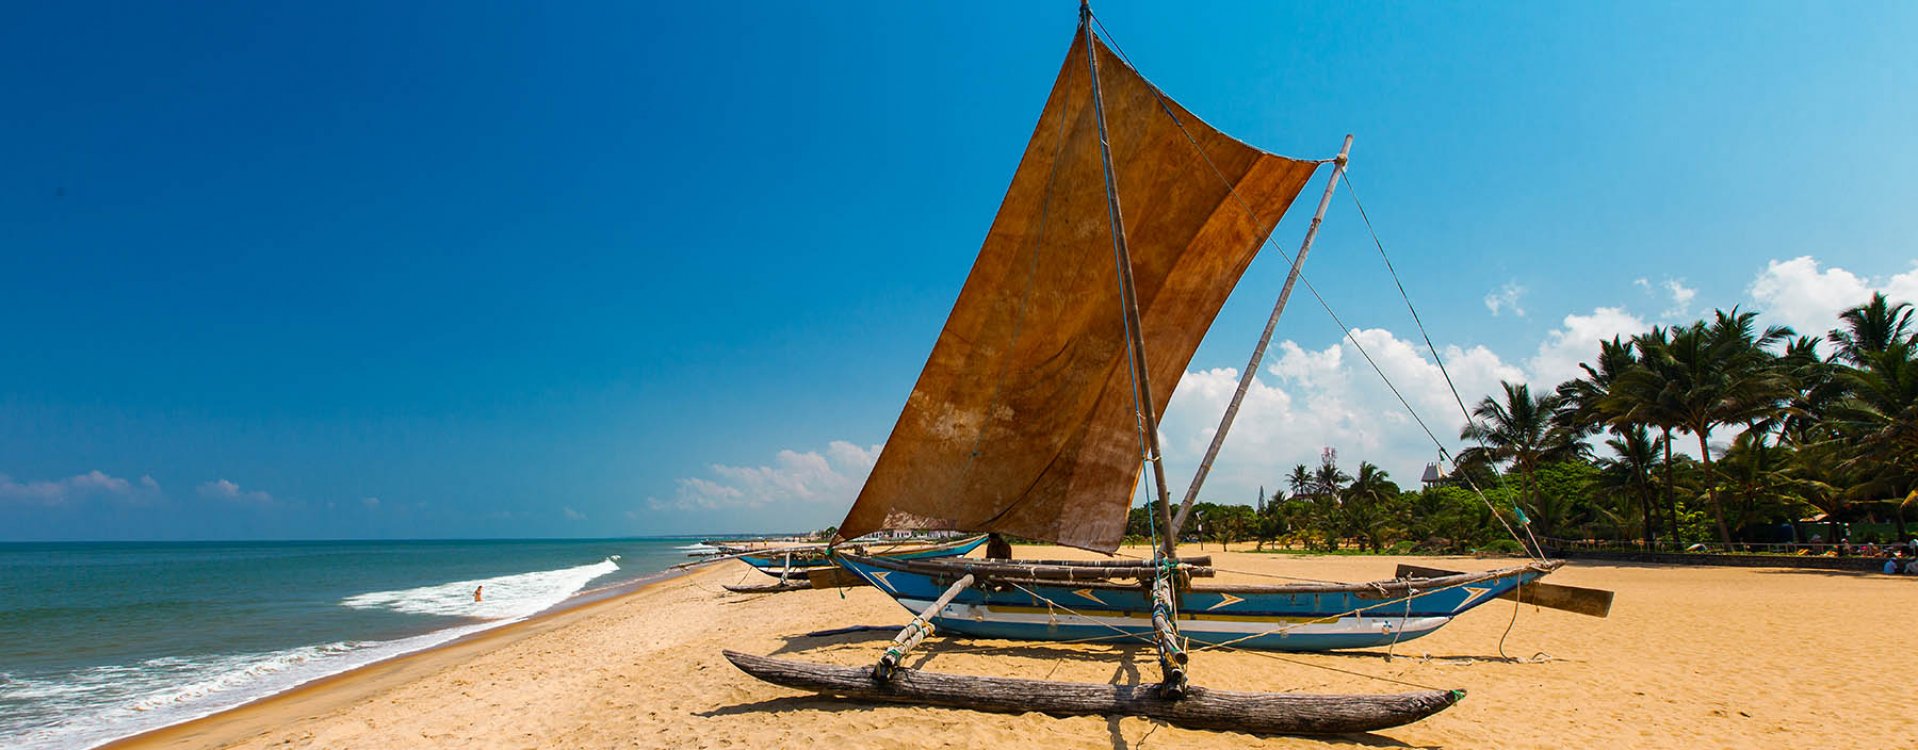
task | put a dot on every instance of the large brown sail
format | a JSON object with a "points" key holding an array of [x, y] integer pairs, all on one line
{"points": [[1023, 421]]}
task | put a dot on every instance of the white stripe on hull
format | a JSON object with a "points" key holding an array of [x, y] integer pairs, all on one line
{"points": [[1207, 629]]}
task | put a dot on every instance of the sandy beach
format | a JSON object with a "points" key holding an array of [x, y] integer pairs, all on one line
{"points": [[1690, 657]]}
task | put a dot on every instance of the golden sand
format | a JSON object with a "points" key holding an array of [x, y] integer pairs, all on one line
{"points": [[1691, 657]]}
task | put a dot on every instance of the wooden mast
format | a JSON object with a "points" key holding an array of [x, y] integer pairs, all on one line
{"points": [[1135, 340], [1172, 657], [1258, 352]]}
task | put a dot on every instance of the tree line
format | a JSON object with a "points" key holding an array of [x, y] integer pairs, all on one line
{"points": [[1807, 425]]}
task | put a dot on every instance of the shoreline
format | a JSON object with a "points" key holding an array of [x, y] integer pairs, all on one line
{"points": [[321, 694]]}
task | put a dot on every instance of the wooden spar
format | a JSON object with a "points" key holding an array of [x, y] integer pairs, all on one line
{"points": [[771, 588], [1584, 601], [1165, 632], [1058, 571], [916, 631], [1256, 713], [1129, 298], [1258, 352]]}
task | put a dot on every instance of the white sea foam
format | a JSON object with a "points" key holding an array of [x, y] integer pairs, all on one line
{"points": [[97, 705], [504, 597]]}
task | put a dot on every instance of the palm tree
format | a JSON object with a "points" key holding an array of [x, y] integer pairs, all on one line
{"points": [[1368, 505], [1586, 406], [1519, 430], [1803, 421], [1300, 480], [1647, 394], [1758, 477], [1708, 376], [1880, 411], [1582, 408], [1872, 327], [1629, 471], [1818, 478], [1329, 517]]}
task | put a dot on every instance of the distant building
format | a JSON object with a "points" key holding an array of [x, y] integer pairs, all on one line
{"points": [[1434, 474]]}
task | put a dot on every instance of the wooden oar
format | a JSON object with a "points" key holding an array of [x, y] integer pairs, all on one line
{"points": [[1584, 601]]}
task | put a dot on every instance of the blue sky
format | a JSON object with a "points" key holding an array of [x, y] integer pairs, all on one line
{"points": [[428, 270]]}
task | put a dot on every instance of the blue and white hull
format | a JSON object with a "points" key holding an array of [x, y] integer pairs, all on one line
{"points": [[1308, 617]]}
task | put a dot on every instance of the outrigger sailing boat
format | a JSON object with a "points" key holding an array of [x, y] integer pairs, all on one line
{"points": [[1037, 413]]}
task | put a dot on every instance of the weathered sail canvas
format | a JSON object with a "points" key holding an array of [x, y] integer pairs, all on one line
{"points": [[1023, 421]]}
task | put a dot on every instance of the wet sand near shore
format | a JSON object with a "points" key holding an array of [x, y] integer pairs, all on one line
{"points": [[1691, 657]]}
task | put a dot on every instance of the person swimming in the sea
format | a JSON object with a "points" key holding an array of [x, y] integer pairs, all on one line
{"points": [[479, 593]]}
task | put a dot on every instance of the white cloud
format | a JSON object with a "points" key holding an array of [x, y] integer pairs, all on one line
{"points": [[829, 479], [1310, 399], [1681, 298], [1506, 298], [1576, 340], [572, 515], [370, 502], [77, 488], [1799, 294], [221, 489]]}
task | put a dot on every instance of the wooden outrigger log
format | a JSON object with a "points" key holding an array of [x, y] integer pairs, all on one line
{"points": [[1198, 708]]}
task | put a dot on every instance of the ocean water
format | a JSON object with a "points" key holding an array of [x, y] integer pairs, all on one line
{"points": [[99, 641]]}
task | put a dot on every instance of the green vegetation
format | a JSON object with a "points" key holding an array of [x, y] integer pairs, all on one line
{"points": [[1593, 458]]}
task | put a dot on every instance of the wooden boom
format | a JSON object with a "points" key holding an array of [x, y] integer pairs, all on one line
{"points": [[1200, 708]]}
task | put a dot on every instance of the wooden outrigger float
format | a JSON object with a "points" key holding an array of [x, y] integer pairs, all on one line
{"points": [[796, 565], [1198, 708], [1036, 416]]}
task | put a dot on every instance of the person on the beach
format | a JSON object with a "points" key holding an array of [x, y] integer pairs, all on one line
{"points": [[479, 592], [1891, 566], [1911, 568]]}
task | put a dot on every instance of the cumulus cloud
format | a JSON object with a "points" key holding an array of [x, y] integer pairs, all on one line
{"points": [[1576, 340], [1311, 399], [221, 489], [1800, 294], [1681, 298], [78, 488], [831, 478], [1506, 298]]}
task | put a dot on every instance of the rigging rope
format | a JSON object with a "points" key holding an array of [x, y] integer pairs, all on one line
{"points": [[1535, 550]]}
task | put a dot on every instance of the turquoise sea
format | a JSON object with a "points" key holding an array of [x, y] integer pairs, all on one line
{"points": [[103, 640]]}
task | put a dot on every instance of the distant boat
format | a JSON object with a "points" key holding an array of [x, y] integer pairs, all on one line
{"points": [[801, 559], [1037, 413]]}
